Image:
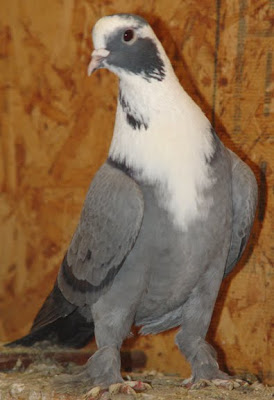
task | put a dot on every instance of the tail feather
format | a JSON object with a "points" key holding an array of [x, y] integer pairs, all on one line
{"points": [[58, 322], [54, 308]]}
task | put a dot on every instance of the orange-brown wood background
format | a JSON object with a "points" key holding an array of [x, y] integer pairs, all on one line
{"points": [[56, 127]]}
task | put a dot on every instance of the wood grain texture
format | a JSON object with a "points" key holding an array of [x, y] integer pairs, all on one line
{"points": [[56, 127]]}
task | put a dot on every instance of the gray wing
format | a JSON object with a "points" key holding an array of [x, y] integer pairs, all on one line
{"points": [[108, 228], [244, 200]]}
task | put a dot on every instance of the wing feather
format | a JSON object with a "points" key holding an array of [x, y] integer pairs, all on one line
{"points": [[108, 228], [244, 198]]}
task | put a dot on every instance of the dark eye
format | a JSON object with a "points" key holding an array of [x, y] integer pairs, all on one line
{"points": [[128, 35]]}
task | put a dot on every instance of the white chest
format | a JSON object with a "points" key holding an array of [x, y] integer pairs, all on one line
{"points": [[169, 149]]}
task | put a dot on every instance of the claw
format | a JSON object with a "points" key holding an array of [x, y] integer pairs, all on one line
{"points": [[188, 382], [139, 386], [121, 388], [198, 385], [93, 393], [97, 393], [229, 384], [130, 388]]}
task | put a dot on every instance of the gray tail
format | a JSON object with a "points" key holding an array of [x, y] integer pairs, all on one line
{"points": [[58, 322]]}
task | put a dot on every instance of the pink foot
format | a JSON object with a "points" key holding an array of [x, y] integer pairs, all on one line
{"points": [[129, 387], [230, 383]]}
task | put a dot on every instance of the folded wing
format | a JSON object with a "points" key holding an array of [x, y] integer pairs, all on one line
{"points": [[108, 228], [244, 198]]}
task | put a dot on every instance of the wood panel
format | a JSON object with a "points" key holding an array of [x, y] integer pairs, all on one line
{"points": [[56, 127]]}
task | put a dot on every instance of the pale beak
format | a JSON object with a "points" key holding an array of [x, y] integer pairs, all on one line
{"points": [[97, 58]]}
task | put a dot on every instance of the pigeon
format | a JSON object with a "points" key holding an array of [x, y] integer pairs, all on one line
{"points": [[165, 219]]}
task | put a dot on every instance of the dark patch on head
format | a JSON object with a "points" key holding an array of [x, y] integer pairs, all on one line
{"points": [[141, 57], [136, 122]]}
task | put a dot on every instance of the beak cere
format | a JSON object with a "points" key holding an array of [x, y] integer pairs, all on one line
{"points": [[97, 57]]}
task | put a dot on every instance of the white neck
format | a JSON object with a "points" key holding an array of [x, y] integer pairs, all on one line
{"points": [[172, 151]]}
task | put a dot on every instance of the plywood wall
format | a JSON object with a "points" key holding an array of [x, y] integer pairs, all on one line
{"points": [[56, 127]]}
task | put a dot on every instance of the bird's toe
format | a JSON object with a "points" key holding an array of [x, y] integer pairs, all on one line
{"points": [[231, 383], [130, 388], [228, 382]]}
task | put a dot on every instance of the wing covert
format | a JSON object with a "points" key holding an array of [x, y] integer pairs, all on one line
{"points": [[244, 200], [109, 225]]}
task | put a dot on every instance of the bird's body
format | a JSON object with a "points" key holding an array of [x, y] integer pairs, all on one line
{"points": [[165, 219]]}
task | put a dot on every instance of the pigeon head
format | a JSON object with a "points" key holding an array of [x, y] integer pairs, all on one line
{"points": [[125, 44]]}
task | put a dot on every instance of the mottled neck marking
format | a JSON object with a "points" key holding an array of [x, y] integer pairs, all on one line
{"points": [[121, 166], [134, 119]]}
